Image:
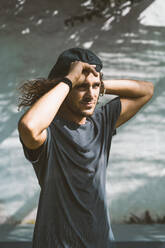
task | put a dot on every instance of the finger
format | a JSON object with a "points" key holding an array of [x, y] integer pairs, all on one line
{"points": [[93, 70], [90, 68]]}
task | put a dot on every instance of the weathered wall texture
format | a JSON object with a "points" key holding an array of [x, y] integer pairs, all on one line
{"points": [[31, 39]]}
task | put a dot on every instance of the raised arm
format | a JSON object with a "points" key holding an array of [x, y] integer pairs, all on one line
{"points": [[33, 124], [133, 95]]}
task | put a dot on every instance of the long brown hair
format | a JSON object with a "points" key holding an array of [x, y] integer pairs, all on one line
{"points": [[32, 90]]}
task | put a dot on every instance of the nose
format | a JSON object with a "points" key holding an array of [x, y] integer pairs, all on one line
{"points": [[89, 94]]}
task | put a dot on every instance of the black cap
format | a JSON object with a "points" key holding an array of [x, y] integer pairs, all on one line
{"points": [[61, 68]]}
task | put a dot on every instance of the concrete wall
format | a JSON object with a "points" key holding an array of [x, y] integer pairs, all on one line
{"points": [[31, 39]]}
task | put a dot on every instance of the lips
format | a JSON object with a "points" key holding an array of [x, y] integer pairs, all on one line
{"points": [[87, 104]]}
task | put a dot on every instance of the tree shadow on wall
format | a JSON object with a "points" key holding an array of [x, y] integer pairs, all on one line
{"points": [[120, 38]]}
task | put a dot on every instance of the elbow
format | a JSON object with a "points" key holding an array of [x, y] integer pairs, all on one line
{"points": [[24, 128], [27, 128], [150, 89]]}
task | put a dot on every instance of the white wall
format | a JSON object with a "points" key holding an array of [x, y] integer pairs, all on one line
{"points": [[129, 49]]}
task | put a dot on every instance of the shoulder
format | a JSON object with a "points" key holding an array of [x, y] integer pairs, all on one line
{"points": [[112, 106], [108, 114]]}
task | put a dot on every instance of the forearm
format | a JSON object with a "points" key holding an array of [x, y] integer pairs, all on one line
{"points": [[128, 88], [41, 113]]}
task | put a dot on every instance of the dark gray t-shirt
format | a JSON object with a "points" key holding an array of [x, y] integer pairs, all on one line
{"points": [[71, 169]]}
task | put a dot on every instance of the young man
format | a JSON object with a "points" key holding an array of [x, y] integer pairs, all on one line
{"points": [[68, 141]]}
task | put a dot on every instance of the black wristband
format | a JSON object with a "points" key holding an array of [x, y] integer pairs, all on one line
{"points": [[67, 81]]}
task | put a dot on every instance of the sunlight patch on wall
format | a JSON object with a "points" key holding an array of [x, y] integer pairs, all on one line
{"points": [[55, 12], [122, 188], [88, 44], [107, 25], [154, 14], [26, 31], [39, 22]]}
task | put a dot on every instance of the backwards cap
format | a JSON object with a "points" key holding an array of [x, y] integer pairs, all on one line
{"points": [[61, 68]]}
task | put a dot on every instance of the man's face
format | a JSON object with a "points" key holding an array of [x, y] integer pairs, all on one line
{"points": [[83, 98]]}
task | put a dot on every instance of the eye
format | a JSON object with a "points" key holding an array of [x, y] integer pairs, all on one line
{"points": [[96, 85], [82, 86]]}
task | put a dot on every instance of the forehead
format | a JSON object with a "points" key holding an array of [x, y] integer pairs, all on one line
{"points": [[90, 78]]}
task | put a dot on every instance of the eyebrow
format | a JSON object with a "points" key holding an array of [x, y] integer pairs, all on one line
{"points": [[84, 83]]}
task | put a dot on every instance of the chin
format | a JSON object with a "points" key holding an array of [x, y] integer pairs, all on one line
{"points": [[87, 113]]}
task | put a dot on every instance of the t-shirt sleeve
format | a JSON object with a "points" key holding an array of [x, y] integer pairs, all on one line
{"points": [[112, 111], [39, 157], [36, 156]]}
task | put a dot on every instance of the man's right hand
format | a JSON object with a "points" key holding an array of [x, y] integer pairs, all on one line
{"points": [[79, 70], [33, 124]]}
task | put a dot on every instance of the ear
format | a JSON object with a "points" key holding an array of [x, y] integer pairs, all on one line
{"points": [[102, 89]]}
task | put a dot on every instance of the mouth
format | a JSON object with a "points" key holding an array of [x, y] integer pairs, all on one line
{"points": [[88, 104]]}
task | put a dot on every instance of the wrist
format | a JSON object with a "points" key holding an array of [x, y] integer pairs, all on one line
{"points": [[67, 81], [72, 79]]}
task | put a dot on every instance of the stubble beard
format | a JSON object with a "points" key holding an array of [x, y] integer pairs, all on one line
{"points": [[78, 111], [82, 113]]}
